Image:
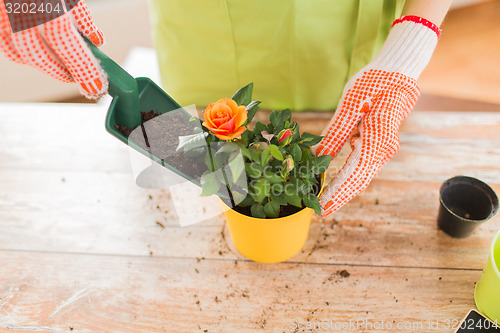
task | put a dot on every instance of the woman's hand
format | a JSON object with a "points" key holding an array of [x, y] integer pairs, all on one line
{"points": [[374, 103], [56, 47]]}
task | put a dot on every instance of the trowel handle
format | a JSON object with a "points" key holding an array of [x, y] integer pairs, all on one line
{"points": [[123, 88]]}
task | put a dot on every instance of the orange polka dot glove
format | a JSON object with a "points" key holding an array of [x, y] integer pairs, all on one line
{"points": [[374, 103], [54, 44]]}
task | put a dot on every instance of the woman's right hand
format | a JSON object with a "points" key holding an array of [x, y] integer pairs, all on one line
{"points": [[56, 47]]}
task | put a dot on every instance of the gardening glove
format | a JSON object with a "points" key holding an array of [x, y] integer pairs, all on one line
{"points": [[51, 42], [374, 103]]}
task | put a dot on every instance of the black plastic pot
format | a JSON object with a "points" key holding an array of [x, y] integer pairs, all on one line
{"points": [[465, 203]]}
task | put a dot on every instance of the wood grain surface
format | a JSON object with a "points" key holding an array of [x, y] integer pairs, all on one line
{"points": [[84, 249]]}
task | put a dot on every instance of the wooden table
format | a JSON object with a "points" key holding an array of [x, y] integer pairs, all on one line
{"points": [[83, 249]]}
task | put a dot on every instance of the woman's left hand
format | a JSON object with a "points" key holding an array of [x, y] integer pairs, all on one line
{"points": [[374, 103]]}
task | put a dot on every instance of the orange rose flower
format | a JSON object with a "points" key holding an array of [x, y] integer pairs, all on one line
{"points": [[225, 118]]}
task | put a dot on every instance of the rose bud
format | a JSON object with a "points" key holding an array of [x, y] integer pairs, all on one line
{"points": [[285, 137], [288, 164]]}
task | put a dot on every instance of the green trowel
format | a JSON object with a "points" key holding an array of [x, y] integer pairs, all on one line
{"points": [[133, 95]]}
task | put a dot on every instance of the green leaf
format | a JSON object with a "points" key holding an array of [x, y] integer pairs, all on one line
{"points": [[247, 202], [276, 120], [227, 147], [244, 95], [252, 110], [291, 194], [277, 189], [320, 163], [209, 183], [254, 154], [253, 170], [312, 180], [306, 154], [293, 199], [272, 209], [306, 189], [279, 199], [312, 201], [266, 186], [261, 189], [257, 211], [275, 152], [275, 164], [309, 139], [193, 141], [213, 161], [286, 115], [237, 167], [296, 153], [265, 157], [195, 153], [247, 136], [260, 146], [246, 153], [273, 177], [305, 171], [259, 128], [270, 129], [220, 174], [239, 197], [302, 188]]}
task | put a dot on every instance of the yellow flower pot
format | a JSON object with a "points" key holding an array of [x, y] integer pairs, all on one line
{"points": [[270, 240]]}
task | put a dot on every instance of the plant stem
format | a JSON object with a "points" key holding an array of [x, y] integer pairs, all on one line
{"points": [[228, 188], [223, 174]]}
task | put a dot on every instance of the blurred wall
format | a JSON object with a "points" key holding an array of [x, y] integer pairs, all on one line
{"points": [[463, 3], [125, 24]]}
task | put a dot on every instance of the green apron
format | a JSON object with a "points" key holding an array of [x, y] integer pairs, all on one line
{"points": [[298, 53]]}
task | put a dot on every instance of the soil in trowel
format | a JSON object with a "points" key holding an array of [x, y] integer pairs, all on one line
{"points": [[160, 136]]}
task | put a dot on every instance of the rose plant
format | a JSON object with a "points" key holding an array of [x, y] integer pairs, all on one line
{"points": [[262, 169]]}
